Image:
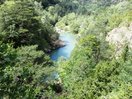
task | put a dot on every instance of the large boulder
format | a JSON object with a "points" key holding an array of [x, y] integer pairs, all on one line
{"points": [[119, 37]]}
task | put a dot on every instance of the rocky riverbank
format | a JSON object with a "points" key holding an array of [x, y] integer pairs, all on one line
{"points": [[59, 43], [56, 43]]}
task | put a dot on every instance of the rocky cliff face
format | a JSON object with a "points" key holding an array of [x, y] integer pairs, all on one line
{"points": [[119, 37]]}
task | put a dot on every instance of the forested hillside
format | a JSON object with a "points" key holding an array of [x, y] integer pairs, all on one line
{"points": [[100, 66]]}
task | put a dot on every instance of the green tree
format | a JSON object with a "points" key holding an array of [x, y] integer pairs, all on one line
{"points": [[22, 25], [23, 72]]}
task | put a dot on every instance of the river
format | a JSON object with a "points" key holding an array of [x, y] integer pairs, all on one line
{"points": [[65, 52]]}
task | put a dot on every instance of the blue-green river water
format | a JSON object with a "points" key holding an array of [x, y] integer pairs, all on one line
{"points": [[65, 52]]}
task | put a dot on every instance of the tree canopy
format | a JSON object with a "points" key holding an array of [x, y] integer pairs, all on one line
{"points": [[96, 69]]}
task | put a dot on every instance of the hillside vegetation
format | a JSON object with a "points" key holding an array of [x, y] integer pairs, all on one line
{"points": [[100, 66]]}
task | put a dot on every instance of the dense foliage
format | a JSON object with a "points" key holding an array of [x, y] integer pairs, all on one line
{"points": [[21, 73], [23, 68], [95, 75], [93, 71], [26, 27]]}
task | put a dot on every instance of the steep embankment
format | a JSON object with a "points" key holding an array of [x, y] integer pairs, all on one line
{"points": [[93, 71]]}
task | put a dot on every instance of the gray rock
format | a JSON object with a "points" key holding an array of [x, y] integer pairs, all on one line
{"points": [[119, 37]]}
